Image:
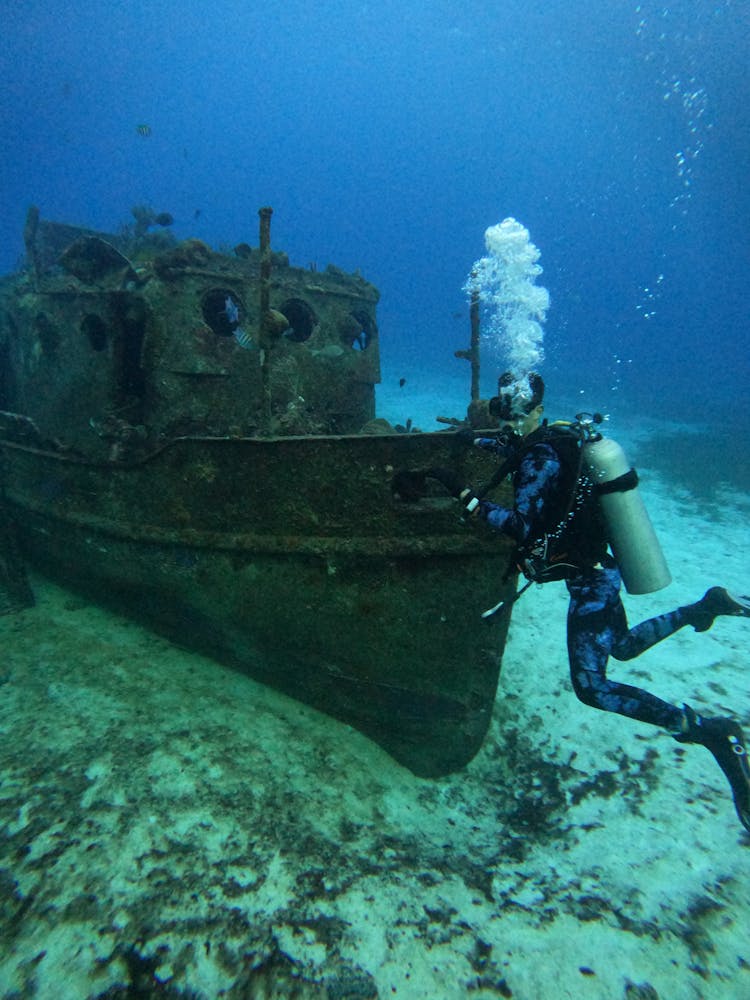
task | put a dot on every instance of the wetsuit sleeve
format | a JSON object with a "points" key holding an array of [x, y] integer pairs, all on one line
{"points": [[535, 484], [501, 448]]}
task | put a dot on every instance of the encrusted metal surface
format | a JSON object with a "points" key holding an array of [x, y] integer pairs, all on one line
{"points": [[192, 441]]}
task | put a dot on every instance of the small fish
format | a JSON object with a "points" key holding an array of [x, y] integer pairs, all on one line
{"points": [[243, 338], [231, 311], [143, 130], [401, 383]]}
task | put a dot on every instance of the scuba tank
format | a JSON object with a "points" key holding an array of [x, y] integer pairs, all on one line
{"points": [[629, 529]]}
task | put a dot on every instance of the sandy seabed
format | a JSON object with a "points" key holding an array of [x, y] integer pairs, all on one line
{"points": [[170, 828]]}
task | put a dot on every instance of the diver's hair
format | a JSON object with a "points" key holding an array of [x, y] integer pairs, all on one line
{"points": [[517, 395]]}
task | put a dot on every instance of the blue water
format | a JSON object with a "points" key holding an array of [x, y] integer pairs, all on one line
{"points": [[388, 136]]}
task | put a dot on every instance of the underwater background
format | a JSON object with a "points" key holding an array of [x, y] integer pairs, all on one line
{"points": [[205, 836], [388, 136]]}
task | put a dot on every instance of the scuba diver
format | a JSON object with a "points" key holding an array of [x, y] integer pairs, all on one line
{"points": [[573, 504]]}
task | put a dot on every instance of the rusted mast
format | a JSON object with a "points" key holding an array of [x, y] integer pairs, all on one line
{"points": [[472, 355], [29, 237], [264, 334]]}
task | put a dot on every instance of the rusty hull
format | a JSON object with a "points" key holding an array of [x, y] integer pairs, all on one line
{"points": [[291, 559], [222, 480]]}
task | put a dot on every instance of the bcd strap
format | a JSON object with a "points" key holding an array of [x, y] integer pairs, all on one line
{"points": [[546, 434], [627, 481]]}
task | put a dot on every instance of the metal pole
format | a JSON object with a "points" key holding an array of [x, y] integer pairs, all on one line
{"points": [[30, 231], [265, 261], [265, 304], [474, 345], [472, 355]]}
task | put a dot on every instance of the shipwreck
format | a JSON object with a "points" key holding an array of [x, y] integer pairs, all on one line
{"points": [[190, 436]]}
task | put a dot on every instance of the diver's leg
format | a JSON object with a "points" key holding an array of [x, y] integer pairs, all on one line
{"points": [[631, 642], [596, 623]]}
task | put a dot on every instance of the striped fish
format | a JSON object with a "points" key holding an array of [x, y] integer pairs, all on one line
{"points": [[243, 339]]}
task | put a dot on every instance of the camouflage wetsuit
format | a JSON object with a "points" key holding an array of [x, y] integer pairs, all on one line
{"points": [[597, 623]]}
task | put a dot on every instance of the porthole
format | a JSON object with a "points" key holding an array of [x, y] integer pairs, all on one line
{"points": [[222, 311], [301, 318]]}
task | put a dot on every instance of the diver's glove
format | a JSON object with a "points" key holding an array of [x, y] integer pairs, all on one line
{"points": [[470, 501], [455, 486]]}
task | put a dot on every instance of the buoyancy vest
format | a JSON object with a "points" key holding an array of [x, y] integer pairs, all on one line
{"points": [[572, 534]]}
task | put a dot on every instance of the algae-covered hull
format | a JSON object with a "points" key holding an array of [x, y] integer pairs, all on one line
{"points": [[291, 558]]}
